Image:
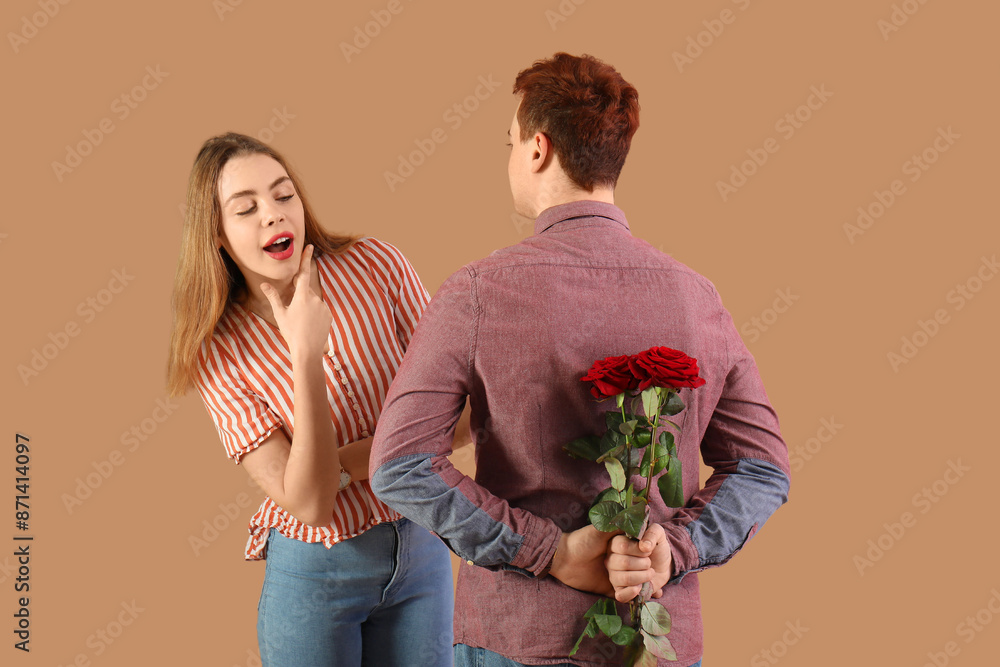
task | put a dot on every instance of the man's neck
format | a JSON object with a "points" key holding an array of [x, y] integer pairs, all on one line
{"points": [[606, 195]]}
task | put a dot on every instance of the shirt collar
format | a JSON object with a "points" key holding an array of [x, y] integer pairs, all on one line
{"points": [[579, 209]]}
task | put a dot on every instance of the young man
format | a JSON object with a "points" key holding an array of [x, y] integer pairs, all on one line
{"points": [[514, 333]]}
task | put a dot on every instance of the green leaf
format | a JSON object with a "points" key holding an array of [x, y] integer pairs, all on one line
{"points": [[602, 514], [673, 405], [620, 399], [636, 655], [635, 459], [624, 636], [676, 426], [667, 440], [617, 473], [630, 458], [662, 457], [642, 436], [651, 402], [607, 494], [644, 465], [670, 484], [589, 631], [629, 492], [609, 624], [596, 608], [613, 419], [627, 427], [659, 646], [588, 447], [630, 519], [655, 619], [641, 420], [612, 453]]}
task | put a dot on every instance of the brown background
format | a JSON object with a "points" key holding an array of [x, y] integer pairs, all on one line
{"points": [[824, 358]]}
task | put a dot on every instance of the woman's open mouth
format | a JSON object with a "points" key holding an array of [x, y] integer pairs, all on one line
{"points": [[281, 247]]}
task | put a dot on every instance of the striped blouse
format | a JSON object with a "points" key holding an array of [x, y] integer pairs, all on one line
{"points": [[245, 378]]}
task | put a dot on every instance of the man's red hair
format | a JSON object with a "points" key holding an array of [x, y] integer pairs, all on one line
{"points": [[586, 109]]}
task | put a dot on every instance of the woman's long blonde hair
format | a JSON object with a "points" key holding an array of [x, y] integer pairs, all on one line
{"points": [[207, 279]]}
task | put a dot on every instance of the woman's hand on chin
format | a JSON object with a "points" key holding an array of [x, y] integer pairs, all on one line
{"points": [[305, 321]]}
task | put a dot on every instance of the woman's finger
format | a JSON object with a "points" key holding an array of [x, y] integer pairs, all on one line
{"points": [[273, 298], [304, 273]]}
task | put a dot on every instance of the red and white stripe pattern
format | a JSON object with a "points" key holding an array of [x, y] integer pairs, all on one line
{"points": [[245, 378]]}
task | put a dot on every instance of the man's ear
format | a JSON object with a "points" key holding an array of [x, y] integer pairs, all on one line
{"points": [[541, 152]]}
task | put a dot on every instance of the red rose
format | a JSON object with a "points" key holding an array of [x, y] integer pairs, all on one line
{"points": [[665, 367], [610, 377]]}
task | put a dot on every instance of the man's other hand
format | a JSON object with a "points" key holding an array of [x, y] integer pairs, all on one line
{"points": [[630, 564]]}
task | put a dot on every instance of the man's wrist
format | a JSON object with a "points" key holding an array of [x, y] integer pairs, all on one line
{"points": [[557, 557]]}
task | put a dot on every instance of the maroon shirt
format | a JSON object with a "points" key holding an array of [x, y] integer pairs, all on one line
{"points": [[514, 332]]}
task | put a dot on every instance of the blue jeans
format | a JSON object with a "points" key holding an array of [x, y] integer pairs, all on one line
{"points": [[468, 656], [382, 598]]}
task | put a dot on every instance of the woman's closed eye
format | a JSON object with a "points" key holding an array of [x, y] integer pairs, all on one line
{"points": [[254, 207]]}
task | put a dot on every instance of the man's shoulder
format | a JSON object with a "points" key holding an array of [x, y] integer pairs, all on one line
{"points": [[632, 253], [519, 253]]}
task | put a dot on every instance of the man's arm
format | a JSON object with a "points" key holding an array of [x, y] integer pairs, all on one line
{"points": [[743, 445], [411, 473]]}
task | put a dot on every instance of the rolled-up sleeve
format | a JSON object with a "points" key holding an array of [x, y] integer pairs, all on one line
{"points": [[242, 418], [409, 467]]}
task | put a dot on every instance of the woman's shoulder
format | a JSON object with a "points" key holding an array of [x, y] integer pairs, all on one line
{"points": [[223, 338], [365, 248], [374, 254]]}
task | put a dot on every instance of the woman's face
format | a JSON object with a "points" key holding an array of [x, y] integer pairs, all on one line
{"points": [[263, 226]]}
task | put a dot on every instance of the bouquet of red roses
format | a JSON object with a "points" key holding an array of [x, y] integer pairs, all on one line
{"points": [[636, 444]]}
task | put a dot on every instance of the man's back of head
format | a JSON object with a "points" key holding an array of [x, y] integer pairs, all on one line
{"points": [[571, 132]]}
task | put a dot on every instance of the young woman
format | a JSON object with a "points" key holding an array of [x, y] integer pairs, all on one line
{"points": [[291, 336]]}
